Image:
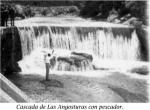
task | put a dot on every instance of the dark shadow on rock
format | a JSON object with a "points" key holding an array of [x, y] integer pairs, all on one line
{"points": [[66, 59], [129, 96], [11, 51], [52, 83], [140, 70], [144, 44], [13, 76], [85, 55], [100, 68], [75, 61]]}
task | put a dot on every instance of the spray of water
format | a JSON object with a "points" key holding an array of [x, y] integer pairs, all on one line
{"points": [[111, 45]]}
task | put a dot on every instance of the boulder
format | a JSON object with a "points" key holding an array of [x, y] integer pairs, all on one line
{"points": [[75, 62], [85, 55], [113, 15], [130, 21], [143, 70]]}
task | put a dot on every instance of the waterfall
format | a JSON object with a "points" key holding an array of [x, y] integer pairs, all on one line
{"points": [[79, 46], [105, 43], [34, 37]]}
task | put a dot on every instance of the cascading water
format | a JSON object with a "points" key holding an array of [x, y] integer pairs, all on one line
{"points": [[102, 42], [34, 37], [110, 43], [105, 43]]}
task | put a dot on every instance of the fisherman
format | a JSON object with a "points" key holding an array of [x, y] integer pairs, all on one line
{"points": [[6, 12], [47, 59], [12, 15], [2, 15]]}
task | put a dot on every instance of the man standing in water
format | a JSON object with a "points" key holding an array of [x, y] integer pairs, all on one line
{"points": [[47, 59]]}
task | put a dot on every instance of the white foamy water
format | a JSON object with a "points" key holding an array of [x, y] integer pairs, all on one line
{"points": [[34, 64], [106, 43], [113, 46], [65, 22]]}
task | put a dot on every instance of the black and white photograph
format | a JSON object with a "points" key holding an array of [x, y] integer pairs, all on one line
{"points": [[74, 51]]}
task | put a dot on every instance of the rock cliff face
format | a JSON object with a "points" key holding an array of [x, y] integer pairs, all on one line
{"points": [[10, 50], [144, 43]]}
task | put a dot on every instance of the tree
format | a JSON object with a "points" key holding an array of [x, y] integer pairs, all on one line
{"points": [[44, 12], [138, 9], [28, 11]]}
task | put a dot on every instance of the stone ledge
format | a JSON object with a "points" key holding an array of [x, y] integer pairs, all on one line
{"points": [[10, 92]]}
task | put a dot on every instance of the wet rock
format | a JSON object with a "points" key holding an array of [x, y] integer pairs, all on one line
{"points": [[53, 62], [113, 15], [125, 18], [85, 55], [74, 62], [130, 21], [140, 70], [144, 44], [11, 51], [65, 59]]}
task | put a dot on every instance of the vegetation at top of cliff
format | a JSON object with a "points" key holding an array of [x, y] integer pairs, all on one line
{"points": [[101, 9], [98, 10]]}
